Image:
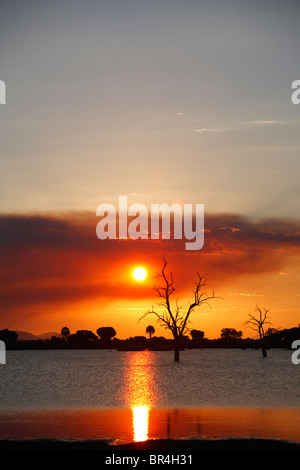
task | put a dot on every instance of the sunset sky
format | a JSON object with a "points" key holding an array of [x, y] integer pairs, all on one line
{"points": [[161, 101]]}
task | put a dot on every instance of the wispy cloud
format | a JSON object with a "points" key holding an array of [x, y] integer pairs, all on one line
{"points": [[265, 123], [242, 294], [280, 273], [232, 229], [240, 127], [215, 129]]}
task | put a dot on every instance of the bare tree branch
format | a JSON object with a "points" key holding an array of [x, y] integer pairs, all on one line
{"points": [[175, 319], [258, 325]]}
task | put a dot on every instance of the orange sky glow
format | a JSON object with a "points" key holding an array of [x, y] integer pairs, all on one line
{"points": [[57, 273], [163, 102]]}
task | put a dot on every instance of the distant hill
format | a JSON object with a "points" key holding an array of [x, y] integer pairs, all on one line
{"points": [[24, 335], [48, 335]]}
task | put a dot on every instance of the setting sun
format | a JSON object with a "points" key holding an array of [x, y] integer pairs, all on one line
{"points": [[139, 274]]}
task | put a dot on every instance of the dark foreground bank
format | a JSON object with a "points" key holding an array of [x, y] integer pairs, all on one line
{"points": [[150, 445]]}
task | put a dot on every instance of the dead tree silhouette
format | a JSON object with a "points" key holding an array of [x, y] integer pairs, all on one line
{"points": [[172, 318], [258, 325]]}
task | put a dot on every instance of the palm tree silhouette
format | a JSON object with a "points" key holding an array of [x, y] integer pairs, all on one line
{"points": [[150, 330]]}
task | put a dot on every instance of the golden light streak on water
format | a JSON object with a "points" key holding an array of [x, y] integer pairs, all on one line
{"points": [[140, 423]]}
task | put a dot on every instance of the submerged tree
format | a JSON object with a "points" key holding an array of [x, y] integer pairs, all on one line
{"points": [[172, 318], [150, 330], [257, 324]]}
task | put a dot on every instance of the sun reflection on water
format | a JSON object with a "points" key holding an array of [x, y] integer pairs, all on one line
{"points": [[140, 423], [139, 390]]}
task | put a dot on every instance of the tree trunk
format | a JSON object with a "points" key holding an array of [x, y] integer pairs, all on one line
{"points": [[263, 346], [177, 349]]}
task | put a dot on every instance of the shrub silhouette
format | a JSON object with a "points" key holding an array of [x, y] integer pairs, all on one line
{"points": [[106, 333]]}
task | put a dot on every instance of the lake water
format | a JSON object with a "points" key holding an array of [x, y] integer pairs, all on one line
{"points": [[113, 394]]}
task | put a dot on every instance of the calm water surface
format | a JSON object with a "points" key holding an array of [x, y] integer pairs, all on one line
{"points": [[95, 378], [127, 396]]}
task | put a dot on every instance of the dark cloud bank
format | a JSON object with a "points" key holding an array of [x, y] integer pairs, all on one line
{"points": [[58, 257]]}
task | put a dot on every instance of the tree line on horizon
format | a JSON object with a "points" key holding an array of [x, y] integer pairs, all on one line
{"points": [[106, 339], [175, 319]]}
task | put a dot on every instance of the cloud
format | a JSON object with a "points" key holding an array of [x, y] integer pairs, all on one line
{"points": [[242, 294], [56, 259], [215, 129], [240, 127], [265, 123]]}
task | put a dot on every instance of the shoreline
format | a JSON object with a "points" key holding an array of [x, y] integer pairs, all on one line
{"points": [[177, 445]]}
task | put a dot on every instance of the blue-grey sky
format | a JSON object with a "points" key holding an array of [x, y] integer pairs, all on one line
{"points": [[157, 100]]}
